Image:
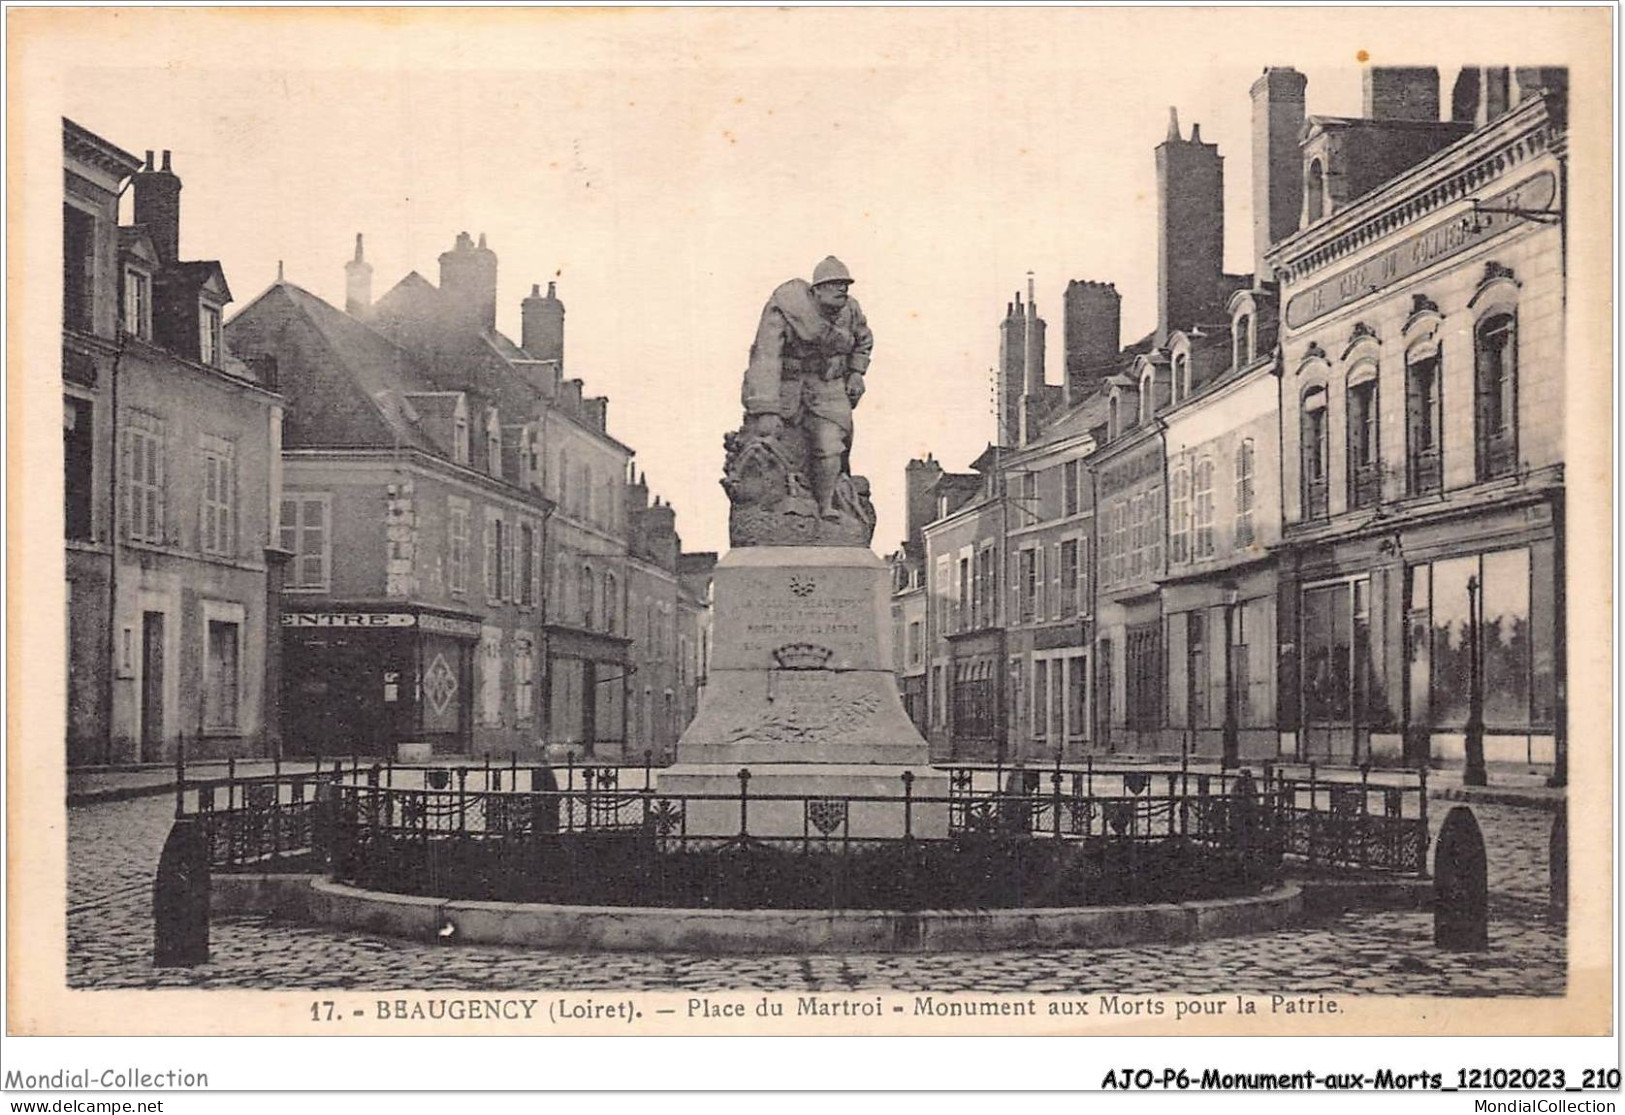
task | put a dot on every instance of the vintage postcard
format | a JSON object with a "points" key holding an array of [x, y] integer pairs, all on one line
{"points": [[811, 522]]}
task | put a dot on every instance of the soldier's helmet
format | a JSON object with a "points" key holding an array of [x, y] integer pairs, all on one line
{"points": [[831, 270]]}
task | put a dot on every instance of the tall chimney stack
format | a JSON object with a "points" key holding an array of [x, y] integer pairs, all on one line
{"points": [[1190, 230], [541, 323], [158, 207], [468, 274], [1278, 117], [358, 283]]}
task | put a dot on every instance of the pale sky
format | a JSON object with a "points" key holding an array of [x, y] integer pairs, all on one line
{"points": [[670, 167]]}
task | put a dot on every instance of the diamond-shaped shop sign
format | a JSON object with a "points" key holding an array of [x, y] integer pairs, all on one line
{"points": [[439, 684]]}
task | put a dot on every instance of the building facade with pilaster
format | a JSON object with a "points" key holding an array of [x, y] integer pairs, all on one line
{"points": [[171, 470]]}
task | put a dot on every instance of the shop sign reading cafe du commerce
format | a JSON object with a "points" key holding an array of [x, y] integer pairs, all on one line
{"points": [[1413, 254], [439, 625]]}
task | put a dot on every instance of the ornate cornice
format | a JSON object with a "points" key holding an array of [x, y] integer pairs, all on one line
{"points": [[1454, 174]]}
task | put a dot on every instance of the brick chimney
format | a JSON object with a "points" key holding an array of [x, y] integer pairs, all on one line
{"points": [[1278, 116], [158, 207], [1091, 330], [918, 478], [1033, 350], [542, 325], [468, 275], [1400, 93], [1190, 230], [358, 283], [1011, 374]]}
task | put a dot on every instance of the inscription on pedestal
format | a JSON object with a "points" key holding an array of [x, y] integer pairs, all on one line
{"points": [[805, 708], [764, 612]]}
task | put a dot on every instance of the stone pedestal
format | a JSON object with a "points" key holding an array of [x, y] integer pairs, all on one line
{"points": [[802, 693]]}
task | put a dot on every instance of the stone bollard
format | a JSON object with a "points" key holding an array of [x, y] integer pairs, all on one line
{"points": [[180, 898], [1557, 859], [1461, 889]]}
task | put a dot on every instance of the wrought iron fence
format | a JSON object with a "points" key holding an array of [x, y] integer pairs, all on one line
{"points": [[639, 849], [1014, 837]]}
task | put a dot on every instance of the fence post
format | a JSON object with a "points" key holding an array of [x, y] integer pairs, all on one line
{"points": [[1089, 775], [231, 783], [648, 769], [1055, 803], [1365, 812], [1422, 805], [1313, 848], [462, 800], [908, 805], [744, 800], [180, 779]]}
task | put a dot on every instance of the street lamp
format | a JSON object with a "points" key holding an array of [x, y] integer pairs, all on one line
{"points": [[1231, 757], [1475, 774]]}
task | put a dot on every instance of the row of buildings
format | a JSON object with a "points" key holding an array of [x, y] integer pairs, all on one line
{"points": [[1317, 513], [386, 529]]}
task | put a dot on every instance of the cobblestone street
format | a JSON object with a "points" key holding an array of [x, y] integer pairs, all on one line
{"points": [[113, 849]]}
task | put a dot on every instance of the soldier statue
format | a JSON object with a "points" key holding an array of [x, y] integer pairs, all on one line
{"points": [[789, 472]]}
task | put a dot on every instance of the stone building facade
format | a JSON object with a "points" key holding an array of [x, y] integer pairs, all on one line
{"points": [[1049, 607], [458, 484], [1325, 499], [1422, 437], [171, 470]]}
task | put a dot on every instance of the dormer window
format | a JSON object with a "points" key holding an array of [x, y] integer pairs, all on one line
{"points": [[210, 344], [138, 303], [1148, 398], [459, 439], [1182, 377], [1314, 193], [493, 445], [1243, 340]]}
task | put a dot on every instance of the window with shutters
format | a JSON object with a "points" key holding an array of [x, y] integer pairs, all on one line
{"points": [[1068, 594], [510, 562], [611, 598], [527, 565], [1179, 511], [138, 303], [1153, 502], [1029, 585], [1422, 425], [1364, 456], [1314, 453], [457, 545], [78, 269], [1202, 509], [1083, 575], [210, 344], [219, 511], [79, 459], [493, 558], [1495, 369], [143, 479], [962, 604], [303, 532], [1244, 493]]}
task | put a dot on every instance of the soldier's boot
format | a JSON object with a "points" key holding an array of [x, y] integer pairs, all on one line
{"points": [[825, 472]]}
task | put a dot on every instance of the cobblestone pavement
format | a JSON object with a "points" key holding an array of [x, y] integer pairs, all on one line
{"points": [[113, 849]]}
